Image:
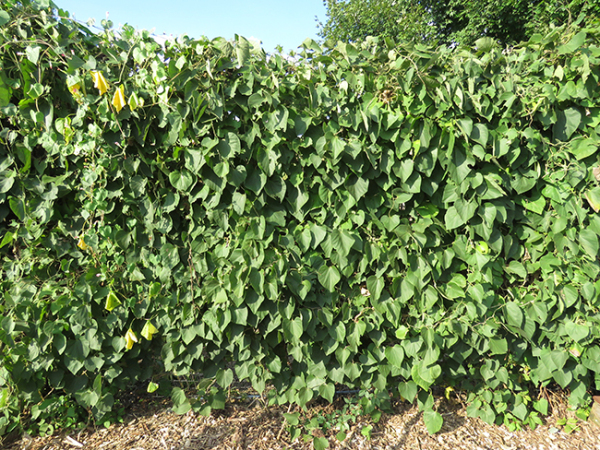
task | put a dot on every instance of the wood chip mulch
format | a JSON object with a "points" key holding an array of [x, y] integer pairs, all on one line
{"points": [[151, 426]]}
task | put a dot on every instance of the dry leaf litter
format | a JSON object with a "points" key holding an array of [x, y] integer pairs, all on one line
{"points": [[150, 425]]}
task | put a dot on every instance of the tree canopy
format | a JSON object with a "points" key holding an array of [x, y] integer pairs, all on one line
{"points": [[451, 22]]}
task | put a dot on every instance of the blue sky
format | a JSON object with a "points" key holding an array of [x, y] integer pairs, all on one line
{"points": [[274, 22]]}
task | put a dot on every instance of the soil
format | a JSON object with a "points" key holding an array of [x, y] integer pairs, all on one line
{"points": [[150, 425]]}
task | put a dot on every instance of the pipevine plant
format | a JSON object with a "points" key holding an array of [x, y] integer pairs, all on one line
{"points": [[381, 216]]}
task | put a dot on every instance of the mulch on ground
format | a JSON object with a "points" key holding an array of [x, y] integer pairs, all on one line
{"points": [[150, 425]]}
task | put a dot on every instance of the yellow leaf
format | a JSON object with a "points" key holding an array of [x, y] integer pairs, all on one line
{"points": [[112, 301], [100, 82], [130, 339], [134, 101], [81, 244], [118, 100], [148, 331], [74, 88], [449, 389]]}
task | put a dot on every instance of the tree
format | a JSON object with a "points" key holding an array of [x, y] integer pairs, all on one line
{"points": [[354, 20], [451, 22]]}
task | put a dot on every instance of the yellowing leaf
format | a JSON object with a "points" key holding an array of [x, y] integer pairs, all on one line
{"points": [[74, 88], [100, 82], [576, 350], [112, 301], [81, 244], [148, 331], [482, 247], [118, 100], [134, 101], [130, 339]]}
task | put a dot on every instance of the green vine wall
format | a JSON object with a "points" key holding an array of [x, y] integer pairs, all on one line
{"points": [[386, 217]]}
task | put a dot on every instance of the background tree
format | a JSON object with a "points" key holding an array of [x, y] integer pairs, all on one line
{"points": [[451, 21], [354, 20]]}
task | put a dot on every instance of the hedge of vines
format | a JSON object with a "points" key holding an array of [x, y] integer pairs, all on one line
{"points": [[383, 217]]}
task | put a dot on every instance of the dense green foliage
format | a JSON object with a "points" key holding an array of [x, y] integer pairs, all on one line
{"points": [[388, 218], [453, 21], [354, 21]]}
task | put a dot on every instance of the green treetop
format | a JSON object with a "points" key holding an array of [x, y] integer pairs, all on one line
{"points": [[451, 22]]}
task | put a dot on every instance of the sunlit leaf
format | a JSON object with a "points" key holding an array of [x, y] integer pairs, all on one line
{"points": [[118, 100], [4, 17], [33, 54], [321, 443], [433, 421], [395, 355], [100, 82], [514, 314], [574, 44], [329, 277], [181, 180], [134, 101], [589, 242], [81, 244], [567, 122], [148, 331], [593, 198], [18, 207], [130, 339], [74, 88], [112, 301], [7, 239]]}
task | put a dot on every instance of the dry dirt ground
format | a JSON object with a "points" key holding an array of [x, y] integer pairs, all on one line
{"points": [[149, 425]]}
